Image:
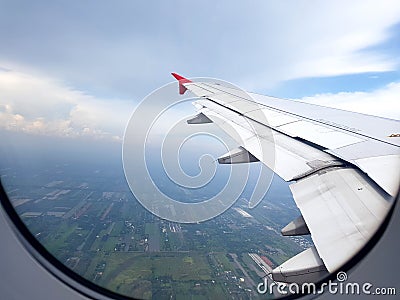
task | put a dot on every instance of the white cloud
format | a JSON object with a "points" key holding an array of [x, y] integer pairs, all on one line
{"points": [[40, 105], [383, 102], [255, 44], [334, 38]]}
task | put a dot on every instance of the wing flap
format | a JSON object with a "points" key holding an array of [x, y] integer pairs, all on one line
{"points": [[383, 170], [342, 211]]}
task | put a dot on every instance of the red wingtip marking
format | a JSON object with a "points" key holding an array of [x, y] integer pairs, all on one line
{"points": [[181, 80]]}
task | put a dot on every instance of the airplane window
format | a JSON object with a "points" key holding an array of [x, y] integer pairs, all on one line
{"points": [[126, 182]]}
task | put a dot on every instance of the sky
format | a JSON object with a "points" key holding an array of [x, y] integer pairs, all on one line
{"points": [[79, 68]]}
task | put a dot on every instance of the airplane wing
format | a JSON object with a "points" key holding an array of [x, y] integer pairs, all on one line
{"points": [[343, 167]]}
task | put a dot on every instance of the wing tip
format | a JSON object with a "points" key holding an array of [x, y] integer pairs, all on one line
{"points": [[181, 80]]}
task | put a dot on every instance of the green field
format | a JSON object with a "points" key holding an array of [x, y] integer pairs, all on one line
{"points": [[137, 274], [222, 260], [58, 239]]}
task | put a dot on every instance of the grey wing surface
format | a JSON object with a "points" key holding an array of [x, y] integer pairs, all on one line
{"points": [[343, 167]]}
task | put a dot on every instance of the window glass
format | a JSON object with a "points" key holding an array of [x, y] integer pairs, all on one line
{"points": [[76, 129]]}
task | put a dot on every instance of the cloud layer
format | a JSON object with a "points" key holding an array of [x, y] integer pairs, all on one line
{"points": [[39, 105], [67, 69], [383, 102], [129, 49]]}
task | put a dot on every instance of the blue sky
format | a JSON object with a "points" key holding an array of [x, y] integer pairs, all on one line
{"points": [[79, 68]]}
